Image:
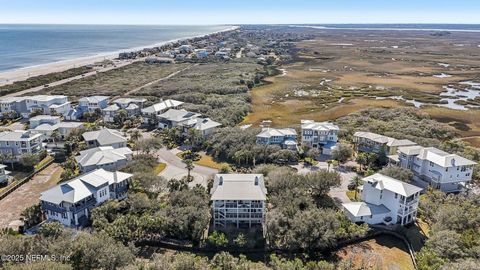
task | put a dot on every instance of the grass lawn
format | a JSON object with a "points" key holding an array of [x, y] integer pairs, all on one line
{"points": [[159, 168], [207, 161], [351, 196], [43, 162]]}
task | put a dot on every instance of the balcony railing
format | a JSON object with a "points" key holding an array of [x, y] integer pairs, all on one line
{"points": [[82, 206]]}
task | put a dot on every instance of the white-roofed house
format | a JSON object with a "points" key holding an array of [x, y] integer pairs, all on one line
{"points": [[285, 137], [439, 169], [105, 157], [63, 128], [92, 103], [174, 118], [132, 107], [205, 126], [71, 203], [372, 142], [49, 104], [151, 113], [105, 137], [321, 135], [238, 200], [43, 119], [384, 200]]}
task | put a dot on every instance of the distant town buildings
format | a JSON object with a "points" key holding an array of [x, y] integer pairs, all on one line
{"points": [[238, 200]]}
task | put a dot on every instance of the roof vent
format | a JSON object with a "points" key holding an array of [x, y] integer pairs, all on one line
{"points": [[220, 181], [256, 180]]}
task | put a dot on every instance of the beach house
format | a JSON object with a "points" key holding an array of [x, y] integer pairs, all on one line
{"points": [[284, 137], [71, 202], [174, 118], [63, 128], [92, 103], [104, 157], [150, 114], [205, 126], [46, 104], [13, 144], [43, 119], [238, 200], [131, 106], [321, 135], [385, 200], [372, 142], [434, 167], [105, 137]]}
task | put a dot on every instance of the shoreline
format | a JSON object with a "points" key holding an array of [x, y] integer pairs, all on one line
{"points": [[20, 74]]}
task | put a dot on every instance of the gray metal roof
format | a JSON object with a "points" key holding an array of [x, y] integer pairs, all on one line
{"points": [[102, 155], [105, 136], [362, 209], [83, 186]]}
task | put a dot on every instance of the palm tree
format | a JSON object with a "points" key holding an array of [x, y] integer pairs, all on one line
{"points": [[189, 166], [56, 136], [135, 135], [355, 183]]}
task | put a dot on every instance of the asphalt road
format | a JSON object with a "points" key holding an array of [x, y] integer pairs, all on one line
{"points": [[176, 168]]}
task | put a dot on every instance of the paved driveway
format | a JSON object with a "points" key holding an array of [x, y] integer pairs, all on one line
{"points": [[176, 168]]}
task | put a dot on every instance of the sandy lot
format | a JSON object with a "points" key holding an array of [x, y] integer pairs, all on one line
{"points": [[28, 194]]}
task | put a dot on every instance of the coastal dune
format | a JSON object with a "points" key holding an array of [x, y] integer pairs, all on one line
{"points": [[10, 76]]}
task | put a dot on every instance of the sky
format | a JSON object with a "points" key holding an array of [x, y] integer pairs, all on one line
{"points": [[196, 12]]}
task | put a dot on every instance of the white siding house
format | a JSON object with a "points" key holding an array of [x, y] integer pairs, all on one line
{"points": [[441, 170], [384, 200], [238, 200]]}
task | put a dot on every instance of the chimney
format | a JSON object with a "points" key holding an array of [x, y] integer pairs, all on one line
{"points": [[256, 180], [115, 178], [220, 181]]}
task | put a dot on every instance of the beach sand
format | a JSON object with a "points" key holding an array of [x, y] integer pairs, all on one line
{"points": [[10, 76]]}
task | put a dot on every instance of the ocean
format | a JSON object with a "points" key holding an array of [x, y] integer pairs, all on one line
{"points": [[31, 45]]}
